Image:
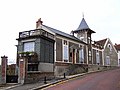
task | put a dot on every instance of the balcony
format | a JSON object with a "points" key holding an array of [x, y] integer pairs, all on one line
{"points": [[36, 32]]}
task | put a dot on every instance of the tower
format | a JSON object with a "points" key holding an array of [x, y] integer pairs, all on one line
{"points": [[84, 33]]}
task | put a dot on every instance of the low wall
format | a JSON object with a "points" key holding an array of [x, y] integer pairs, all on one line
{"points": [[45, 67], [69, 69], [33, 76]]}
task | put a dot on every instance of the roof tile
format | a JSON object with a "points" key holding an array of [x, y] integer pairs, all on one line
{"points": [[102, 42]]}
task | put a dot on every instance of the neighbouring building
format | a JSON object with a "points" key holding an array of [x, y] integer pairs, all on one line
{"points": [[117, 46], [46, 51], [110, 56]]}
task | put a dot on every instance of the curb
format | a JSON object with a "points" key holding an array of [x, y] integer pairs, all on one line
{"points": [[63, 80]]}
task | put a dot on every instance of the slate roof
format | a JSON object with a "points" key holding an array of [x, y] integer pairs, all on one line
{"points": [[102, 42], [64, 34], [117, 46], [83, 26]]}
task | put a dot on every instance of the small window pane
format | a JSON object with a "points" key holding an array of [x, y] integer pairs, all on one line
{"points": [[29, 46]]}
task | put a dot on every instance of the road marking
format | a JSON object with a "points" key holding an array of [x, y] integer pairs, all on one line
{"points": [[61, 82]]}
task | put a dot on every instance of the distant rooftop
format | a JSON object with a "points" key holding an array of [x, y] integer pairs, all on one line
{"points": [[102, 42], [117, 46]]}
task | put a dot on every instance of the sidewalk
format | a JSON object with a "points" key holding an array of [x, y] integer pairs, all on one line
{"points": [[40, 85]]}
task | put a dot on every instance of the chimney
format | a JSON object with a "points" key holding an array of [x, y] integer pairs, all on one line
{"points": [[39, 22]]}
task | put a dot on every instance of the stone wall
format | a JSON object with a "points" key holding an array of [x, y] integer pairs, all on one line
{"points": [[34, 76], [110, 51], [69, 69], [45, 67]]}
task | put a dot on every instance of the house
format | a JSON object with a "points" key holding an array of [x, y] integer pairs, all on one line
{"points": [[48, 51], [117, 46], [109, 52]]}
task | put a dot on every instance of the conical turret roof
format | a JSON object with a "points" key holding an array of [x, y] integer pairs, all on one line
{"points": [[83, 26]]}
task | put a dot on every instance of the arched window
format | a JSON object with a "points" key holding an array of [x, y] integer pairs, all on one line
{"points": [[110, 47]]}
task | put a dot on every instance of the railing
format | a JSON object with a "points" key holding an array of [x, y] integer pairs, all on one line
{"points": [[36, 32]]}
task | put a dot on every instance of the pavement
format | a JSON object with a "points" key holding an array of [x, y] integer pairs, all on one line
{"points": [[41, 84]]}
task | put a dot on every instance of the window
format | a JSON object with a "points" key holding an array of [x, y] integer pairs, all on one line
{"points": [[97, 57], [107, 60], [29, 46], [110, 47], [81, 55], [65, 51]]}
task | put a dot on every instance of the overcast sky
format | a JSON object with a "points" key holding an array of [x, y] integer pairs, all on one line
{"points": [[102, 16]]}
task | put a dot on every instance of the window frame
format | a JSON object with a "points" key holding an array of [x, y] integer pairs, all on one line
{"points": [[81, 55], [30, 48], [97, 57], [107, 60], [65, 53]]}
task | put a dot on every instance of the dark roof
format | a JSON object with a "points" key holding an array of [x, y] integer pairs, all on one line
{"points": [[117, 46], [64, 34], [83, 26], [102, 42]]}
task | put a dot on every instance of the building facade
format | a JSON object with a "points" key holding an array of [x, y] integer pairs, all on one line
{"points": [[110, 56], [117, 46], [46, 51]]}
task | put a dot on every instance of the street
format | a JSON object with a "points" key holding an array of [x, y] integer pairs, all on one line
{"points": [[107, 80]]}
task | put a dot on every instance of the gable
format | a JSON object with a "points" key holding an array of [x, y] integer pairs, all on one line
{"points": [[109, 45]]}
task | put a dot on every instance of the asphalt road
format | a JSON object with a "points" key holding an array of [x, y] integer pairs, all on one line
{"points": [[107, 80]]}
